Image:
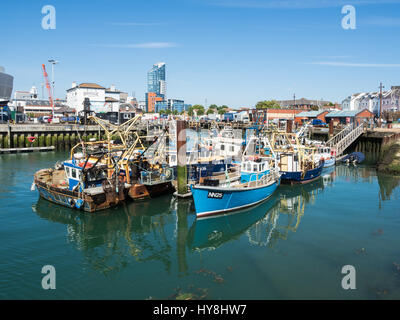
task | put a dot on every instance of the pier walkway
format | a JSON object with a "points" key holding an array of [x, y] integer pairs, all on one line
{"points": [[345, 138]]}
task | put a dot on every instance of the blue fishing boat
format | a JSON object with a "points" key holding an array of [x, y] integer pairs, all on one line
{"points": [[297, 163], [294, 171], [251, 190]]}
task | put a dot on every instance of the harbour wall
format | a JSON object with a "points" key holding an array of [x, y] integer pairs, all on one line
{"points": [[62, 137]]}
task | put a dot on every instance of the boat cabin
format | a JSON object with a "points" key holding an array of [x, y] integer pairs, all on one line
{"points": [[253, 169]]}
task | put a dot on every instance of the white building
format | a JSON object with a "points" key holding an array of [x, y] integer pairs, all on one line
{"points": [[101, 99], [371, 101]]}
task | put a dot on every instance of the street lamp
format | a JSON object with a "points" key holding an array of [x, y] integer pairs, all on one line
{"points": [[53, 62]]}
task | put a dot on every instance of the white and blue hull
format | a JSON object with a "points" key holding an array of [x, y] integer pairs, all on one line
{"points": [[215, 200], [329, 163]]}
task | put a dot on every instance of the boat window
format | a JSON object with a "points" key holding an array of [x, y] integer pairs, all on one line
{"points": [[73, 175], [248, 167], [232, 149], [68, 171], [243, 166], [255, 168], [262, 167], [222, 147]]}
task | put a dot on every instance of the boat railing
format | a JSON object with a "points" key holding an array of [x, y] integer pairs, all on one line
{"points": [[157, 176], [264, 180]]}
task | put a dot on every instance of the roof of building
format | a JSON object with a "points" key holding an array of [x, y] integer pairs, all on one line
{"points": [[302, 101], [310, 114], [344, 113], [37, 102], [88, 86], [110, 99]]}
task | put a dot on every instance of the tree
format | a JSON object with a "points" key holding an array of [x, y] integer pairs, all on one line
{"points": [[266, 104], [222, 110], [213, 106], [161, 112], [315, 108], [210, 111], [199, 109]]}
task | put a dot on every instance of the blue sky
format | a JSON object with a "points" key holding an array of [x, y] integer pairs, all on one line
{"points": [[230, 52]]}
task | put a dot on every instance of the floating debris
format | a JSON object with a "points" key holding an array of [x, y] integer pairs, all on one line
{"points": [[229, 268], [196, 294], [361, 251], [379, 232], [186, 296], [216, 277], [382, 292], [397, 266]]}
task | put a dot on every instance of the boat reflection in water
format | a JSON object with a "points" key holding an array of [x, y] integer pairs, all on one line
{"points": [[264, 225], [162, 230], [110, 239]]}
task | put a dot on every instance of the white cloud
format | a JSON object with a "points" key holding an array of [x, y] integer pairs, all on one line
{"points": [[146, 45], [359, 65], [383, 21], [139, 24], [295, 4]]}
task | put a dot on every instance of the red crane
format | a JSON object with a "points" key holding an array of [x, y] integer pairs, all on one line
{"points": [[46, 78]]}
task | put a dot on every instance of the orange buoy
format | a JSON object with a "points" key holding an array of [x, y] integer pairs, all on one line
{"points": [[88, 165]]}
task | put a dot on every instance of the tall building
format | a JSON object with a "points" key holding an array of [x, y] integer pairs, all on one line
{"points": [[6, 85], [151, 100], [156, 80]]}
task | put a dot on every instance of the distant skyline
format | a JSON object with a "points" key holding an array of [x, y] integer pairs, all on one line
{"points": [[231, 52]]}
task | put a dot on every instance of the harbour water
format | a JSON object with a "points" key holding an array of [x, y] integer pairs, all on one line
{"points": [[291, 247]]}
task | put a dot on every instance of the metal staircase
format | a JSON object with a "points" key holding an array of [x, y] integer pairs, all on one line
{"points": [[345, 138]]}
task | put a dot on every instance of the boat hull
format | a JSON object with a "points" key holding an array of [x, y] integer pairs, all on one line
{"points": [[329, 163], [210, 201], [296, 176]]}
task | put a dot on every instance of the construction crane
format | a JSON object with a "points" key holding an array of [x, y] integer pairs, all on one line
{"points": [[46, 78]]}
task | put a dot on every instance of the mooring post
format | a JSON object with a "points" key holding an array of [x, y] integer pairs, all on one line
{"points": [[9, 135], [181, 157], [289, 126], [330, 129]]}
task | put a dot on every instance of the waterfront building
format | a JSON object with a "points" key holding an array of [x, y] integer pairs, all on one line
{"points": [[261, 115], [101, 99], [371, 101], [311, 115], [176, 105], [350, 116]]}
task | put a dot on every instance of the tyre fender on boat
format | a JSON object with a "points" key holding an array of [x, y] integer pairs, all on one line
{"points": [[72, 203]]}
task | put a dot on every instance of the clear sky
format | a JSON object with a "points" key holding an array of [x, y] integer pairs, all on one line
{"points": [[231, 52]]}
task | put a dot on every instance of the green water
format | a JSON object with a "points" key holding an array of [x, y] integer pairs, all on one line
{"points": [[291, 247]]}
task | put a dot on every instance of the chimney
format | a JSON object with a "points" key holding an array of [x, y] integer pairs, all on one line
{"points": [[74, 85]]}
